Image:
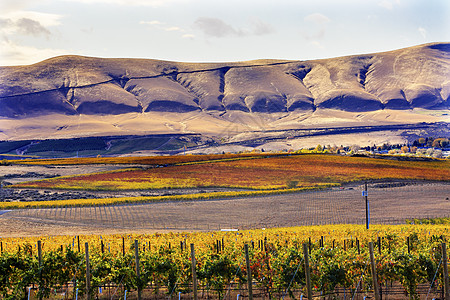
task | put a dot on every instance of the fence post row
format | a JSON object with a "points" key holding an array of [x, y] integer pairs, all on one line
{"points": [[445, 271], [194, 273], [249, 274], [88, 273], [307, 271], [39, 244], [138, 274], [374, 272]]}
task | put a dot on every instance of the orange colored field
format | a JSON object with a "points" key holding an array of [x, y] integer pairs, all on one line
{"points": [[141, 160], [262, 173]]}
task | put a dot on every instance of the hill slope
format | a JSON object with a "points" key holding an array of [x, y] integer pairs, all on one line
{"points": [[74, 96], [402, 79]]}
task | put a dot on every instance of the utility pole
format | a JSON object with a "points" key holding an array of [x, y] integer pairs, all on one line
{"points": [[364, 193]]}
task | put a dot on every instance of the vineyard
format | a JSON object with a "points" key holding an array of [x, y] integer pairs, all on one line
{"points": [[229, 258], [254, 172], [408, 261], [337, 205], [144, 160]]}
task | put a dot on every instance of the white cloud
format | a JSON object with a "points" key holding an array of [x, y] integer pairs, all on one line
{"points": [[215, 27], [386, 4], [162, 26], [154, 22], [173, 28], [188, 36], [315, 25], [45, 19], [8, 6], [23, 26], [317, 18], [153, 3], [422, 32], [261, 28], [317, 44], [13, 54]]}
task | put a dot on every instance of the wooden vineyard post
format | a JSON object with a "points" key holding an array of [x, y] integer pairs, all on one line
{"points": [[374, 272], [249, 274], [138, 274], [88, 273], [78, 240], [123, 246], [445, 271], [39, 244], [307, 271], [194, 273]]}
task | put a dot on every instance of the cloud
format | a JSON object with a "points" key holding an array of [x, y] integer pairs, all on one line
{"points": [[261, 28], [23, 26], [152, 3], [162, 26], [386, 4], [28, 23], [317, 44], [31, 27], [317, 18], [316, 25], [173, 28], [45, 19], [17, 24], [423, 32], [154, 22], [8, 6], [188, 36], [13, 54], [214, 27]]}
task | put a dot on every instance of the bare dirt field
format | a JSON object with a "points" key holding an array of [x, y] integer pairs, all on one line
{"points": [[389, 204], [20, 173]]}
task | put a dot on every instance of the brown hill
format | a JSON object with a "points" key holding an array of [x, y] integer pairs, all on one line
{"points": [[71, 96], [402, 79]]}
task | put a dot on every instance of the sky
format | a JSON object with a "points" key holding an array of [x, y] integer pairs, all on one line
{"points": [[215, 30]]}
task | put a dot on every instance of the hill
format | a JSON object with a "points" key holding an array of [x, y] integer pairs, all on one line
{"points": [[75, 96]]}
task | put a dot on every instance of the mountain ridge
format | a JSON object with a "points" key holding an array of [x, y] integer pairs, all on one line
{"points": [[237, 106], [415, 77]]}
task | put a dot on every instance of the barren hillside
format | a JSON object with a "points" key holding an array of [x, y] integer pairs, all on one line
{"points": [[74, 96]]}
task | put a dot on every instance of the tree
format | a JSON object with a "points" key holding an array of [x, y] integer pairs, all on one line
{"points": [[436, 143], [355, 148]]}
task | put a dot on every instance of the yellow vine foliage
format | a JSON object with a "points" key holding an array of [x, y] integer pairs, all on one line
{"points": [[204, 240], [273, 172]]}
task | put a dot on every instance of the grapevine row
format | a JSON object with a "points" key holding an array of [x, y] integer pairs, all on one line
{"points": [[276, 263]]}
